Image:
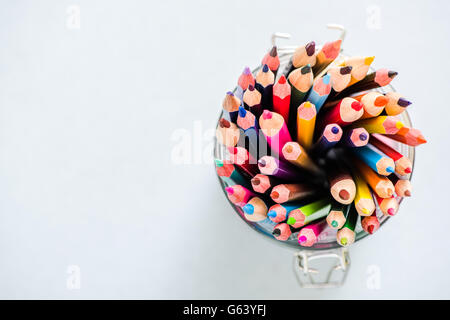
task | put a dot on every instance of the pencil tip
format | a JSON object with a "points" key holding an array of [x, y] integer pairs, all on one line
{"points": [[356, 105], [421, 139], [408, 193], [262, 162], [344, 241], [273, 51], [326, 79], [247, 71], [274, 195], [224, 123], [381, 101], [408, 170], [335, 130], [291, 221], [251, 87], [344, 194], [219, 163], [230, 93], [242, 112], [402, 102], [391, 211], [370, 229], [229, 190], [255, 181], [272, 214], [276, 232], [363, 137], [368, 61], [390, 169], [334, 224], [301, 239], [267, 114], [392, 74], [306, 69], [282, 79], [265, 68], [249, 209], [345, 70], [310, 48], [365, 211]]}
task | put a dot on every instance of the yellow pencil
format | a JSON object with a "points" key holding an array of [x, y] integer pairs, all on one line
{"points": [[380, 124], [364, 203], [306, 121]]}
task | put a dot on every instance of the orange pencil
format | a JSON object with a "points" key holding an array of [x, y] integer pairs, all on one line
{"points": [[410, 136]]}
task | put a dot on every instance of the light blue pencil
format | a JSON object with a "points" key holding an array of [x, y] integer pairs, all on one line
{"points": [[376, 160], [320, 91]]}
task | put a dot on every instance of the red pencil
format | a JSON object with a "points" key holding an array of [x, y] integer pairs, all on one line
{"points": [[370, 224], [402, 164], [282, 98]]}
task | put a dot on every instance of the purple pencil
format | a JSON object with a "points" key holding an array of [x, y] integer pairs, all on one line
{"points": [[357, 137], [272, 166]]}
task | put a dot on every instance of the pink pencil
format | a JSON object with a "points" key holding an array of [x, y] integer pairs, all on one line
{"points": [[275, 130], [239, 195], [308, 235]]}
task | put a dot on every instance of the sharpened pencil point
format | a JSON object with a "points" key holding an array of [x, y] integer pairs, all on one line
{"points": [[246, 71], [272, 214], [242, 112], [251, 87], [370, 229], [249, 208], [274, 195], [255, 181], [408, 170], [276, 232], [230, 93], [291, 221], [381, 101], [345, 70], [224, 123], [344, 241], [310, 48], [326, 79], [229, 190], [391, 211], [356, 105], [421, 139], [265, 68], [363, 137], [392, 74], [262, 162], [402, 102], [344, 194], [267, 115], [302, 239], [219, 163], [399, 125], [390, 169], [273, 51], [335, 130], [306, 69], [368, 61], [407, 193], [334, 224], [365, 211], [282, 79]]}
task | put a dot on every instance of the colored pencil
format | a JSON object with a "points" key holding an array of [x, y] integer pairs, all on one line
{"points": [[389, 206], [396, 103], [373, 103], [380, 124], [343, 113], [231, 105], [272, 60], [252, 101], [346, 235], [403, 165], [264, 84], [304, 55], [289, 192], [370, 224], [306, 122], [282, 231], [282, 98], [320, 91], [380, 184], [263, 184], [279, 212], [342, 186], [244, 80], [377, 79], [239, 195], [229, 173], [309, 235], [403, 187], [246, 119], [305, 214], [379, 162], [360, 67], [227, 133], [272, 166], [331, 135], [329, 52], [364, 203], [356, 137], [296, 155], [340, 77], [337, 215], [242, 159], [410, 136], [255, 210], [275, 130], [300, 80]]}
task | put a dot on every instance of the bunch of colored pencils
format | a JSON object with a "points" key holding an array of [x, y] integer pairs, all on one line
{"points": [[312, 148]]}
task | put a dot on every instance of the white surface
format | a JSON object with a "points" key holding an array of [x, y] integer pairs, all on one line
{"points": [[85, 171]]}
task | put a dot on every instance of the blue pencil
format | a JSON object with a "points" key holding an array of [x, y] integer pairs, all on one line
{"points": [[377, 161], [279, 212], [320, 91]]}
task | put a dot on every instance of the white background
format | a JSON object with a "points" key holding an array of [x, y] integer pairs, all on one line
{"points": [[86, 177]]}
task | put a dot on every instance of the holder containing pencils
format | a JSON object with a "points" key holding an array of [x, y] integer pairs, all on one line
{"points": [[315, 149]]}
